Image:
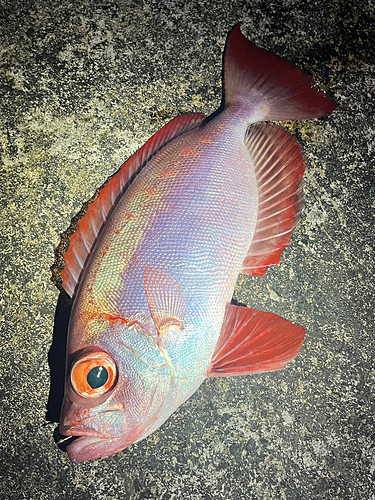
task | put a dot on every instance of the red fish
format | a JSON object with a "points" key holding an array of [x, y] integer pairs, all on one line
{"points": [[154, 261]]}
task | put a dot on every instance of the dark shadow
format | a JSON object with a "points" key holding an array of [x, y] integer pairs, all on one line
{"points": [[57, 356], [222, 103], [235, 302]]}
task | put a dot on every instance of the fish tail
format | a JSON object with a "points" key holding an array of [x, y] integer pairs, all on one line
{"points": [[271, 87]]}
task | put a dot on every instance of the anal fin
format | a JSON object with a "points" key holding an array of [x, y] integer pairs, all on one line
{"points": [[279, 167], [254, 342]]}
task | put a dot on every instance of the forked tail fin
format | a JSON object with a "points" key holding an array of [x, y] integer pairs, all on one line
{"points": [[270, 86]]}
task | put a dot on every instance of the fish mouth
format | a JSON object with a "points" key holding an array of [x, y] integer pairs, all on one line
{"points": [[83, 444], [66, 436], [62, 440], [76, 431]]}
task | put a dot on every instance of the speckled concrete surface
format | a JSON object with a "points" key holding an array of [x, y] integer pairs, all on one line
{"points": [[83, 85]]}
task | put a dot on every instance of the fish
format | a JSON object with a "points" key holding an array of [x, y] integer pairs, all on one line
{"points": [[152, 264]]}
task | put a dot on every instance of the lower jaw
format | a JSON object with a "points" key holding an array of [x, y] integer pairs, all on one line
{"points": [[82, 448]]}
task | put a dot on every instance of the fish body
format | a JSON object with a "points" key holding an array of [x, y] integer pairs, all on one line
{"points": [[153, 264]]}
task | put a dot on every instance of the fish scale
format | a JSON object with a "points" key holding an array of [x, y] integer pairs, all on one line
{"points": [[163, 226]]}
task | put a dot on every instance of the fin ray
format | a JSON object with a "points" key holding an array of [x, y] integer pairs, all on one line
{"points": [[268, 85], [165, 298], [254, 342], [280, 194]]}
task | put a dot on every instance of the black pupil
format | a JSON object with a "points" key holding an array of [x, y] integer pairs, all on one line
{"points": [[97, 377]]}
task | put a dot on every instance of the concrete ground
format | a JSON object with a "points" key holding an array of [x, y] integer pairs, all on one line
{"points": [[83, 85]]}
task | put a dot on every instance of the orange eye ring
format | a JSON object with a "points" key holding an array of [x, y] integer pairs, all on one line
{"points": [[93, 375]]}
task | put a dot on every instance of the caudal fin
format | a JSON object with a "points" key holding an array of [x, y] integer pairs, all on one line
{"points": [[270, 86]]}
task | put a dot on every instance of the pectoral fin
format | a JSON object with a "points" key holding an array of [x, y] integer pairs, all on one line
{"points": [[166, 300], [254, 342]]}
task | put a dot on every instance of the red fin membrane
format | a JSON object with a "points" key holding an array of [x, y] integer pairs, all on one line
{"points": [[165, 298], [254, 342], [270, 85], [279, 167], [83, 240]]}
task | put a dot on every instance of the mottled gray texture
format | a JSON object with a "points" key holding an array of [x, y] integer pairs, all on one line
{"points": [[83, 85]]}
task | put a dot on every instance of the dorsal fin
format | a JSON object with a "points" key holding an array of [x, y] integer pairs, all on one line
{"points": [[95, 213], [279, 167]]}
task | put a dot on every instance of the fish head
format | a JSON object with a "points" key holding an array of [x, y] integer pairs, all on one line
{"points": [[116, 388]]}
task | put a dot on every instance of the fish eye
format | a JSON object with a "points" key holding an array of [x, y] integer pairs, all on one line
{"points": [[97, 377], [93, 374]]}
